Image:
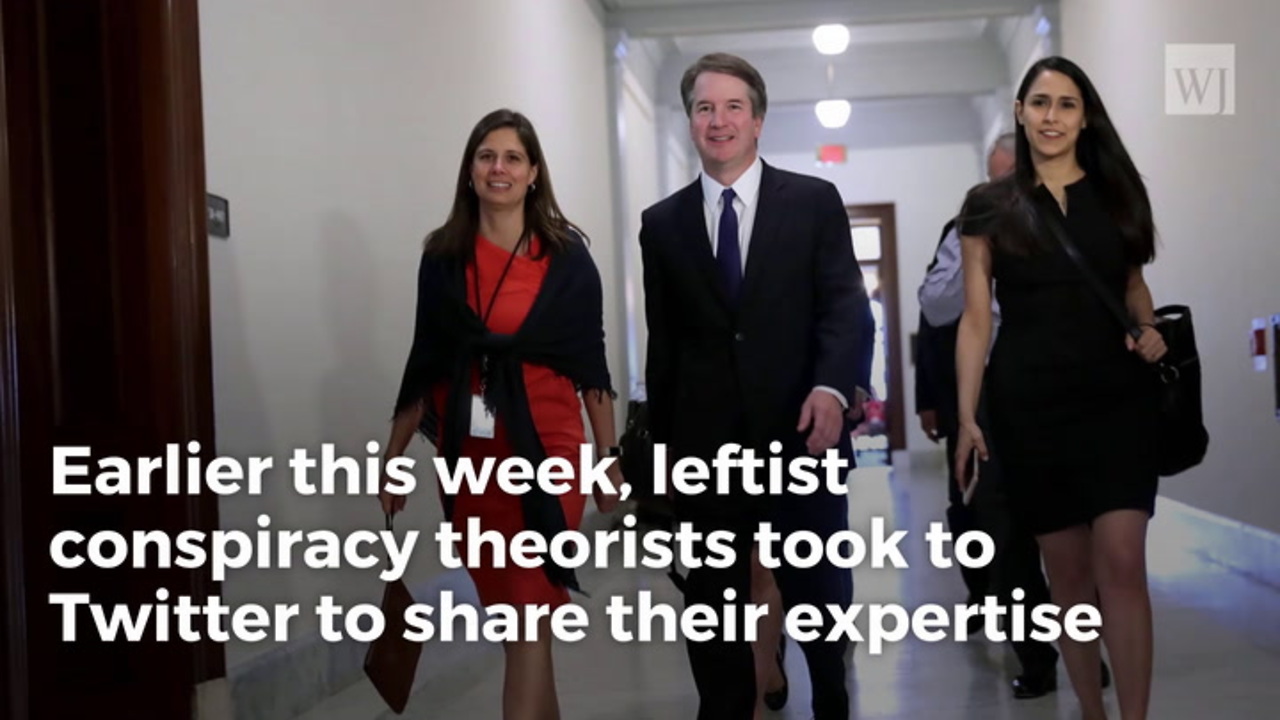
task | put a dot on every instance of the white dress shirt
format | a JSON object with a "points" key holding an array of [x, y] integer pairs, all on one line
{"points": [[746, 190]]}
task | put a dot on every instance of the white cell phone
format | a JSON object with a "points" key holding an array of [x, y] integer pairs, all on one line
{"points": [[973, 477]]}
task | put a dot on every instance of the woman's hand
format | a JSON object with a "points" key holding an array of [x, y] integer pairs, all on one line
{"points": [[608, 502], [970, 439], [402, 429], [391, 503], [1150, 346]]}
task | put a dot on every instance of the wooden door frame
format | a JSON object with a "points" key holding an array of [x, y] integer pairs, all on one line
{"points": [[884, 215], [148, 74], [21, 415]]}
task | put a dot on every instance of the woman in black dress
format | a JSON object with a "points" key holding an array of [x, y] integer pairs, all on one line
{"points": [[1069, 393]]}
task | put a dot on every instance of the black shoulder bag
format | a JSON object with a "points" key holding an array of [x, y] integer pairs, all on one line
{"points": [[1181, 439]]}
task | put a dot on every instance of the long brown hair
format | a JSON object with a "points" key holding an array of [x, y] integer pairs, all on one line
{"points": [[1101, 155], [542, 215]]}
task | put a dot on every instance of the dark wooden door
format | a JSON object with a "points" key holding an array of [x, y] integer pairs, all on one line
{"points": [[882, 264], [104, 334]]}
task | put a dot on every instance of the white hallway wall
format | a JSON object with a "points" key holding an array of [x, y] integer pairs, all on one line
{"points": [[336, 134], [640, 175], [655, 162], [1214, 186]]}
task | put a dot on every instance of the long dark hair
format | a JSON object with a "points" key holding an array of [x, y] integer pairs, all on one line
{"points": [[542, 216], [1101, 155]]}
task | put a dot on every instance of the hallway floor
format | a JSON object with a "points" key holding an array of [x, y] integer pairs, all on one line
{"points": [[1217, 643]]}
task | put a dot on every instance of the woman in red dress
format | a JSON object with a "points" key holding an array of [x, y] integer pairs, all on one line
{"points": [[509, 320]]}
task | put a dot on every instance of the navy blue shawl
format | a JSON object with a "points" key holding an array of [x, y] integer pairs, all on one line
{"points": [[564, 331]]}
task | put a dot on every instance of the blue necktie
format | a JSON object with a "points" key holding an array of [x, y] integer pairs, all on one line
{"points": [[728, 255]]}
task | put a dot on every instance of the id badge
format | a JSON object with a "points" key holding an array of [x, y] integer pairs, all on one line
{"points": [[481, 419]]}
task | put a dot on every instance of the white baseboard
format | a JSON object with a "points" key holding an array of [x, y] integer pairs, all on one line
{"points": [[1245, 549]]}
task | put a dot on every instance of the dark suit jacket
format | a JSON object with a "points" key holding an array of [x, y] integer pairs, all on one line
{"points": [[936, 373], [936, 366], [926, 381], [715, 374]]}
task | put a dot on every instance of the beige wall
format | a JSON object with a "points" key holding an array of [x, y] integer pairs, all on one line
{"points": [[1214, 188], [336, 132]]}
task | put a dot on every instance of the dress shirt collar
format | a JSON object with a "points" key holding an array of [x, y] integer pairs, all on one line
{"points": [[746, 187]]}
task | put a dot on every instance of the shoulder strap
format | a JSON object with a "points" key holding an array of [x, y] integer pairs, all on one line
{"points": [[1055, 226], [946, 230]]}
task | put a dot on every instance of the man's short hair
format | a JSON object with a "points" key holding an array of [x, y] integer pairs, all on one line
{"points": [[728, 65], [1007, 142]]}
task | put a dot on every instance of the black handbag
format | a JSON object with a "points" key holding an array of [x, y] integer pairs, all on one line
{"points": [[1181, 439], [651, 509], [637, 450]]}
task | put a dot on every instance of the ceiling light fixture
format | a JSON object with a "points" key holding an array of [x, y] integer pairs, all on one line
{"points": [[831, 39], [833, 113]]}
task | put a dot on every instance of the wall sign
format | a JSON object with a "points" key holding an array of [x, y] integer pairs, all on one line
{"points": [[1275, 359], [1258, 344], [219, 216]]}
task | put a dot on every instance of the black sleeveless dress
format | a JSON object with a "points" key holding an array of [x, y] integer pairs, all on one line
{"points": [[1071, 410]]}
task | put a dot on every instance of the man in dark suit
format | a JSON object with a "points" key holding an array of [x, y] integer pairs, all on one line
{"points": [[757, 333], [939, 419]]}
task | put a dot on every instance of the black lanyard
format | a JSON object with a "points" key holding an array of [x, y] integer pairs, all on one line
{"points": [[484, 316]]}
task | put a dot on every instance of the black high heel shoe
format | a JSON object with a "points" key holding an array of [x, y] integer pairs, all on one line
{"points": [[1037, 684], [777, 699], [1034, 685]]}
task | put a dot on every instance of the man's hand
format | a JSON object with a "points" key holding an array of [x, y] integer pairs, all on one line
{"points": [[822, 413], [929, 424]]}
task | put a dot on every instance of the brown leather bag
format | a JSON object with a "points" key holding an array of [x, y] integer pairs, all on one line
{"points": [[391, 661]]}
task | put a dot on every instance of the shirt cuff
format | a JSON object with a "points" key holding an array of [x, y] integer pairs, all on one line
{"points": [[839, 396]]}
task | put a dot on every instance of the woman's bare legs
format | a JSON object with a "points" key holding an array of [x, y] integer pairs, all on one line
{"points": [[764, 591], [529, 683], [1068, 560], [1119, 561]]}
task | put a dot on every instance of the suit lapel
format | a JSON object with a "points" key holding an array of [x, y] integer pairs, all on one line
{"points": [[765, 236]]}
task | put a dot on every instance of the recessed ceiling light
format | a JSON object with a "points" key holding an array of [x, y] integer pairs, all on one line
{"points": [[833, 113], [831, 39]]}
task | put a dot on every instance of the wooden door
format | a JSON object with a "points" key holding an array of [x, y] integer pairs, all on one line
{"points": [[104, 333]]}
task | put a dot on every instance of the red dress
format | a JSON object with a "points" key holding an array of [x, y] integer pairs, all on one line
{"points": [[557, 415]]}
